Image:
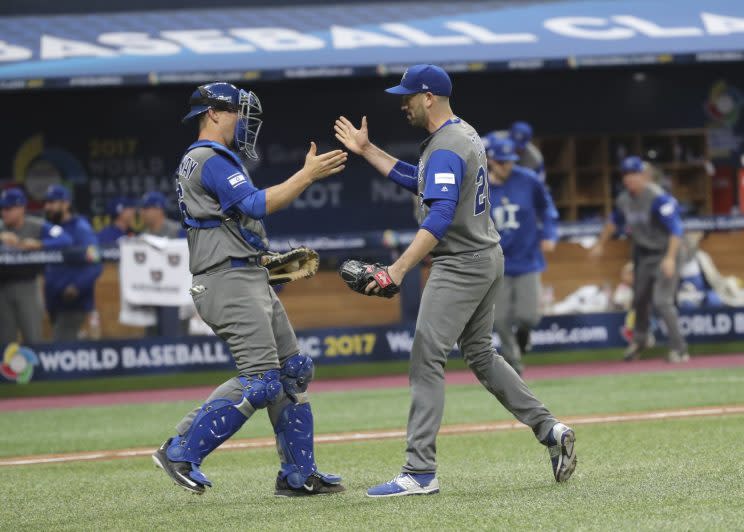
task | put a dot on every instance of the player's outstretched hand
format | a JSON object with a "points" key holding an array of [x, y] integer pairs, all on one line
{"points": [[355, 140], [325, 164]]}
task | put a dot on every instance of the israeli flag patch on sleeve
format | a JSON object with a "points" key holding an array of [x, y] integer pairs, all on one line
{"points": [[236, 179], [444, 178]]}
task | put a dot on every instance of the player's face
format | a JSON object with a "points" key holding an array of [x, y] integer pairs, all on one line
{"points": [[500, 169], [151, 216], [12, 215], [227, 123], [634, 182], [127, 215], [55, 210], [414, 107]]}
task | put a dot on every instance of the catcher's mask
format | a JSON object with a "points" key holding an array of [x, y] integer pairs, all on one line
{"points": [[223, 96], [248, 125]]}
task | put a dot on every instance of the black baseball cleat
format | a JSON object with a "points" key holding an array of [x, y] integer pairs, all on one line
{"points": [[314, 485], [523, 340], [178, 471]]}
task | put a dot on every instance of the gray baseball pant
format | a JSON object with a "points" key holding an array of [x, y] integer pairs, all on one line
{"points": [[66, 324], [517, 304], [21, 309], [651, 286], [457, 306], [243, 310]]}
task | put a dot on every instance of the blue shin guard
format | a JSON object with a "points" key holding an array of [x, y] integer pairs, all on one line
{"points": [[294, 429], [219, 419]]}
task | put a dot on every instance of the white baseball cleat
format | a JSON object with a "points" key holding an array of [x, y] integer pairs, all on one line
{"points": [[562, 452]]}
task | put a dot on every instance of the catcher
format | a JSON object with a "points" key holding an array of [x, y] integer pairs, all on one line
{"points": [[223, 211]]}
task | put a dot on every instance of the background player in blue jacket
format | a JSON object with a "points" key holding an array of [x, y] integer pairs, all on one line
{"points": [[122, 212], [20, 294], [525, 216], [69, 289]]}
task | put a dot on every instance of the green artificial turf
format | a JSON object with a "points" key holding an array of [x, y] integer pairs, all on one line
{"points": [[656, 475], [133, 425]]}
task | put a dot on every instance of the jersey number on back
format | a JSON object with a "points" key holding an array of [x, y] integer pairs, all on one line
{"points": [[181, 203], [481, 192]]}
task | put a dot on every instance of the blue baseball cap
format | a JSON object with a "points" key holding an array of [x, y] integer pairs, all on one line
{"points": [[632, 164], [501, 149], [118, 204], [218, 95], [153, 199], [521, 134], [57, 193], [423, 78], [12, 197]]}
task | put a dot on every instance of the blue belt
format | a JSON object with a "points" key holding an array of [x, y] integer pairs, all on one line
{"points": [[232, 263]]}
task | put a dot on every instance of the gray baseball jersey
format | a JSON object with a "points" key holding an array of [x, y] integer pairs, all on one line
{"points": [[646, 217], [453, 166], [233, 234]]}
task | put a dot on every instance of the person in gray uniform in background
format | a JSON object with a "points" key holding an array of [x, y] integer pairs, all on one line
{"points": [[224, 213], [651, 217], [467, 267], [530, 156], [155, 222], [153, 206], [21, 307]]}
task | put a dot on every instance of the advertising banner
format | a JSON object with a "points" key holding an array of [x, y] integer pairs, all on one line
{"points": [[60, 361]]}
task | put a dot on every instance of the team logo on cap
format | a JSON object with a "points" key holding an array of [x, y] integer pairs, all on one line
{"points": [[404, 75], [18, 363]]}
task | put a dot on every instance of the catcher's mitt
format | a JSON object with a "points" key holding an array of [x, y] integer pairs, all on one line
{"points": [[296, 264], [357, 275]]}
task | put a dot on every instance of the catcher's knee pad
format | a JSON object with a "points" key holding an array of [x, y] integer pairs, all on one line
{"points": [[221, 418], [296, 375]]}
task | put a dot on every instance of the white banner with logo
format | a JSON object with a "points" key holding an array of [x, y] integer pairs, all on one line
{"points": [[155, 271]]}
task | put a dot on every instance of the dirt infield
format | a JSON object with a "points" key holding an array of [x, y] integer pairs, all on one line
{"points": [[557, 371], [345, 437]]}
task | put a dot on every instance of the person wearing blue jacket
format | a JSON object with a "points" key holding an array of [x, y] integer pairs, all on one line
{"points": [[20, 294], [526, 218], [69, 289]]}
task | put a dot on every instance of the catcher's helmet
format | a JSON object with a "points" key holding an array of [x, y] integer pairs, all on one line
{"points": [[224, 96], [219, 95]]}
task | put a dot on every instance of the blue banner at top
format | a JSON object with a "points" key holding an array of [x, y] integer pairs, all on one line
{"points": [[361, 39]]}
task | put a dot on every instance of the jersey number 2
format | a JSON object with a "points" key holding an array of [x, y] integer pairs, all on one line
{"points": [[481, 191], [181, 203]]}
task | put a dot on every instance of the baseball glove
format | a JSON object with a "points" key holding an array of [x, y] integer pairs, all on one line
{"points": [[296, 264], [357, 275]]}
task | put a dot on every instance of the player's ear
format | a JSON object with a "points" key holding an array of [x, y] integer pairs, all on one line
{"points": [[429, 99]]}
